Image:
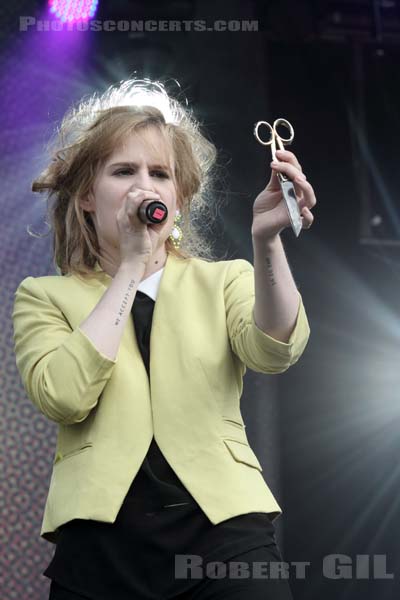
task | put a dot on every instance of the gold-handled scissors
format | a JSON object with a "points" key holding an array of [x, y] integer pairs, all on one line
{"points": [[286, 184]]}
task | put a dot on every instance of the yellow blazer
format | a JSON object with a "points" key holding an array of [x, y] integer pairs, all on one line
{"points": [[202, 339]]}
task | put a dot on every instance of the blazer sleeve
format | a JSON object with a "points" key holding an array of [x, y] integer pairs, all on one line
{"points": [[61, 370], [257, 350]]}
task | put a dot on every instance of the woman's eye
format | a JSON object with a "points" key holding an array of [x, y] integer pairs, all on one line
{"points": [[161, 174], [122, 171]]}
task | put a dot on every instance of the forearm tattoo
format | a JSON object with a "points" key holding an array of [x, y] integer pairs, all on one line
{"points": [[125, 302], [270, 271]]}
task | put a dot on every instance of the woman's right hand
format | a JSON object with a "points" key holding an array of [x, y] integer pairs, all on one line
{"points": [[137, 240]]}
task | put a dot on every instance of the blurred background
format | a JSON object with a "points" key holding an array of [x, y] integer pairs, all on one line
{"points": [[327, 431]]}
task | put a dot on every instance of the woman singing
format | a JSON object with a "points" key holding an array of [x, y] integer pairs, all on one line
{"points": [[137, 350]]}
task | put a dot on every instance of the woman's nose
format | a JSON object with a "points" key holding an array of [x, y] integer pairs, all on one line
{"points": [[143, 180]]}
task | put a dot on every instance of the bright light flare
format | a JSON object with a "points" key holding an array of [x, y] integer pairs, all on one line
{"points": [[73, 10]]}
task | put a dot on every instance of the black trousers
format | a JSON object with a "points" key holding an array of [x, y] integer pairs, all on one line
{"points": [[228, 581]]}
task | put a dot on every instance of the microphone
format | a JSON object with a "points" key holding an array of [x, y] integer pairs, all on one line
{"points": [[153, 212]]}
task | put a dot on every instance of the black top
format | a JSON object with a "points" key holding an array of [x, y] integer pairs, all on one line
{"points": [[135, 556]]}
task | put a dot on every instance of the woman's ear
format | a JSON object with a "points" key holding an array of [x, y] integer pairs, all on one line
{"points": [[88, 203]]}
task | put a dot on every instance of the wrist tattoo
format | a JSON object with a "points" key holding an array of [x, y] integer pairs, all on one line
{"points": [[270, 271], [125, 302]]}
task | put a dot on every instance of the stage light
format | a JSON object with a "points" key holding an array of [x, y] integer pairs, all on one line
{"points": [[73, 10]]}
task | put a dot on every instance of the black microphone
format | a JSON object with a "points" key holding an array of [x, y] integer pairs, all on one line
{"points": [[153, 212]]}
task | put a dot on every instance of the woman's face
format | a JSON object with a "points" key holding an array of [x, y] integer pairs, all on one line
{"points": [[132, 166]]}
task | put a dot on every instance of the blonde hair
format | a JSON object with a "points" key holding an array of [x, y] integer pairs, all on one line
{"points": [[89, 133]]}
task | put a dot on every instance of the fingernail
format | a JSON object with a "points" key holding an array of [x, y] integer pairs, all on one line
{"points": [[274, 163]]}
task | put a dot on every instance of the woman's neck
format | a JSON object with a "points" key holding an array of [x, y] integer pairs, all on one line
{"points": [[155, 263]]}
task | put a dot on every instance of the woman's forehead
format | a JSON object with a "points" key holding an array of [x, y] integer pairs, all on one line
{"points": [[147, 143]]}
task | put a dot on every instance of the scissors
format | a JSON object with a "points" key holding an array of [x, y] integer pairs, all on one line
{"points": [[286, 184]]}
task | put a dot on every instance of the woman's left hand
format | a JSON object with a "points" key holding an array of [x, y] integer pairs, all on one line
{"points": [[270, 215]]}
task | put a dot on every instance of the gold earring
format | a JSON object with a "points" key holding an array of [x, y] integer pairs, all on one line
{"points": [[176, 234]]}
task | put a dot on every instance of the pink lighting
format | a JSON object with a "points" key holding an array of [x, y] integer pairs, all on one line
{"points": [[73, 10]]}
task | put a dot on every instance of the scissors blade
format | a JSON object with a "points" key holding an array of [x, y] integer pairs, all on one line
{"points": [[289, 195]]}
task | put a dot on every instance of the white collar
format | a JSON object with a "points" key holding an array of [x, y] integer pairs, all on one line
{"points": [[151, 284]]}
